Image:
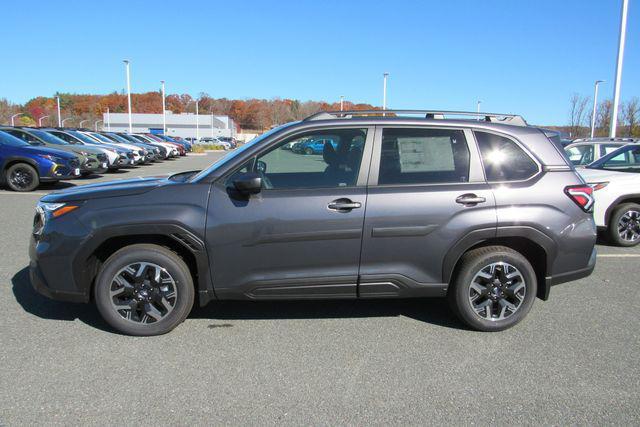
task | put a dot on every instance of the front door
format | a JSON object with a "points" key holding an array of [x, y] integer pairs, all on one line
{"points": [[427, 191], [300, 237]]}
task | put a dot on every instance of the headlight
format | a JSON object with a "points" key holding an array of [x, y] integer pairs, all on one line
{"points": [[54, 159], [45, 211], [84, 153], [598, 185]]}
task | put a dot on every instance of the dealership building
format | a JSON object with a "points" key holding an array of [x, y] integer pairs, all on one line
{"points": [[185, 125]]}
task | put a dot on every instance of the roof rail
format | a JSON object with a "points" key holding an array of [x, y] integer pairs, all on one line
{"points": [[512, 119]]}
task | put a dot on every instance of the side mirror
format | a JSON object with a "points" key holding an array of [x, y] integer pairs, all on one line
{"points": [[248, 183]]}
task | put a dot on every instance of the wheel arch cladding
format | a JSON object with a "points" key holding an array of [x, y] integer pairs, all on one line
{"points": [[532, 251]]}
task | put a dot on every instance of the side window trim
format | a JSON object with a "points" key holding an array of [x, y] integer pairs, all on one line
{"points": [[521, 146], [476, 171]]}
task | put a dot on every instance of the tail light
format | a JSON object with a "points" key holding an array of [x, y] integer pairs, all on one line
{"points": [[582, 195]]}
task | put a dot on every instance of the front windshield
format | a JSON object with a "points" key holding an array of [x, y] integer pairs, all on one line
{"points": [[6, 139], [229, 157], [624, 159], [101, 137], [47, 137], [118, 138]]}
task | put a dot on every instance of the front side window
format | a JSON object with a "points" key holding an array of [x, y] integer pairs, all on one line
{"points": [[318, 159], [580, 154], [503, 159], [25, 137], [423, 156]]}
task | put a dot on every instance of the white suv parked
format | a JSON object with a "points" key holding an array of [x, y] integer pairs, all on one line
{"points": [[581, 152], [615, 179]]}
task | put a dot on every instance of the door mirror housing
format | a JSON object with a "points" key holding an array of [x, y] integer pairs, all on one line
{"points": [[248, 183]]}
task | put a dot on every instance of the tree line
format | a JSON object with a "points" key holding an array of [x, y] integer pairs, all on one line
{"points": [[581, 113], [249, 115]]}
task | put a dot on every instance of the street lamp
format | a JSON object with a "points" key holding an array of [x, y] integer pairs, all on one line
{"points": [[64, 120], [164, 111], [95, 124], [384, 91], [478, 109], [14, 116], [59, 117], [616, 88], [595, 107], [341, 102], [126, 63], [81, 122], [40, 120], [212, 124], [108, 120]]}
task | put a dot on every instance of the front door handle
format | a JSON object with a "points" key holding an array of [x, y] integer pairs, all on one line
{"points": [[343, 205], [470, 199]]}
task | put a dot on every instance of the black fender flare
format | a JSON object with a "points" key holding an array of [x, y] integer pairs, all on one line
{"points": [[17, 159]]}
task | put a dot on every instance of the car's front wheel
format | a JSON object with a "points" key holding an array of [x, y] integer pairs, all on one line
{"points": [[624, 225], [308, 151], [494, 288], [144, 290], [22, 177]]}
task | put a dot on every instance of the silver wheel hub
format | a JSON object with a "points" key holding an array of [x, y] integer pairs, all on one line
{"points": [[497, 291], [143, 292], [629, 226]]}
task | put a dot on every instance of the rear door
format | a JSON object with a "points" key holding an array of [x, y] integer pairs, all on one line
{"points": [[426, 192]]}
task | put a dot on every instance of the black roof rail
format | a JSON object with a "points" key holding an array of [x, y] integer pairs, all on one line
{"points": [[512, 119]]}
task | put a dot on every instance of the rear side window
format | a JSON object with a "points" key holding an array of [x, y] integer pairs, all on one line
{"points": [[423, 156], [503, 159], [580, 154]]}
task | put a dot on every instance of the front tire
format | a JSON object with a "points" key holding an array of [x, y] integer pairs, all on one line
{"points": [[22, 177], [494, 288], [144, 290], [308, 151], [624, 225]]}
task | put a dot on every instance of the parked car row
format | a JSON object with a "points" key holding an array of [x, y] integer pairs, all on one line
{"points": [[611, 167], [30, 156], [224, 142]]}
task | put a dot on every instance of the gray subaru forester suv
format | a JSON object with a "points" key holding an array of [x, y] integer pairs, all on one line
{"points": [[481, 209]]}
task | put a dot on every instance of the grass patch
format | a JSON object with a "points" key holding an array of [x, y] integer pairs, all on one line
{"points": [[200, 148]]}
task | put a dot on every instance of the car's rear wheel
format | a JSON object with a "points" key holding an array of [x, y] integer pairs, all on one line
{"points": [[308, 150], [22, 177], [494, 288], [624, 225], [144, 290]]}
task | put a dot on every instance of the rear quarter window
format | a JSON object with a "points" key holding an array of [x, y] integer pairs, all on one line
{"points": [[503, 159]]}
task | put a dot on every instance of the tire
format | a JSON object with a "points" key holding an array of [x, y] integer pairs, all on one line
{"points": [[476, 264], [308, 151], [628, 215], [165, 315], [22, 177]]}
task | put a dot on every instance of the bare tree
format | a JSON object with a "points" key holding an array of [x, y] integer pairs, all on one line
{"points": [[603, 118], [577, 116], [630, 113]]}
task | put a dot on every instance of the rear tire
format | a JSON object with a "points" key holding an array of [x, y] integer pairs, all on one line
{"points": [[144, 290], [624, 225], [22, 177], [494, 288], [308, 151]]}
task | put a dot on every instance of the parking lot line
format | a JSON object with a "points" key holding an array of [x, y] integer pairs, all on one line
{"points": [[618, 255]]}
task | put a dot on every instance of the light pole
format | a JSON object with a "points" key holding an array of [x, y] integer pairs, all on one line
{"points": [[341, 102], [212, 124], [126, 63], [164, 111], [95, 124], [108, 120], [197, 119], [59, 117], [616, 88], [81, 122], [14, 116], [384, 91], [595, 107], [478, 109], [64, 120], [40, 120]]}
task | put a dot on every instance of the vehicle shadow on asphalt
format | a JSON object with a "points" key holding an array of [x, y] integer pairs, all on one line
{"points": [[429, 310], [45, 308]]}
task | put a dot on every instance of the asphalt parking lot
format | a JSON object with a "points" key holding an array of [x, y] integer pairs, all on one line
{"points": [[574, 360]]}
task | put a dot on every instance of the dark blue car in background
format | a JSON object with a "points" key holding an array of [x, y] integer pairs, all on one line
{"points": [[25, 166]]}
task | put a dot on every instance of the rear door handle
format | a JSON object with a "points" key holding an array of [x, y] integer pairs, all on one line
{"points": [[470, 199], [343, 205]]}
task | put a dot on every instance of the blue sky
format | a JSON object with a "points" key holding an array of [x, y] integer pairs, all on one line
{"points": [[524, 57]]}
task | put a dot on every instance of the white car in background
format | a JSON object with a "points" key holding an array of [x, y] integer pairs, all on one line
{"points": [[615, 180], [581, 152]]}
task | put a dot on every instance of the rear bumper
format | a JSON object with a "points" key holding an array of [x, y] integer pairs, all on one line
{"points": [[570, 276]]}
